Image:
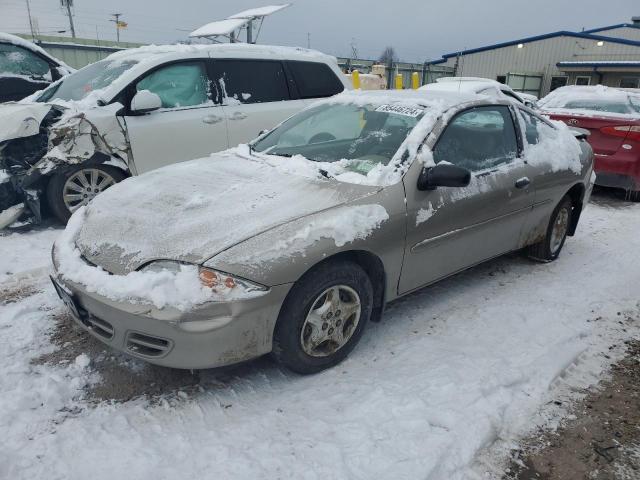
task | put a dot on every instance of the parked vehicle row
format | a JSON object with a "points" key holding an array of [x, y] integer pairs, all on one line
{"points": [[144, 108]]}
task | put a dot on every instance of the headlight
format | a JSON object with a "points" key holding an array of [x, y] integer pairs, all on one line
{"points": [[224, 283], [218, 282]]}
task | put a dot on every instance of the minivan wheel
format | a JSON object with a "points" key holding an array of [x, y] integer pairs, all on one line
{"points": [[76, 187], [549, 249], [323, 317]]}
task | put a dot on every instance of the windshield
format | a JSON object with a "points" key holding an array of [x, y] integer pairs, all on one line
{"points": [[369, 135], [86, 80], [596, 105]]}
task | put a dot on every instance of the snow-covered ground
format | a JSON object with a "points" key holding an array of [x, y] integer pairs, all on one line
{"points": [[451, 373]]}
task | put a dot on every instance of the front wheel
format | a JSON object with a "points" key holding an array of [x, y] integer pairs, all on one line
{"points": [[76, 187], [549, 248], [323, 317]]}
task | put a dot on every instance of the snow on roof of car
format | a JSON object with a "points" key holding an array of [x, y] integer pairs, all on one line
{"points": [[262, 51], [427, 98], [21, 42], [558, 100]]}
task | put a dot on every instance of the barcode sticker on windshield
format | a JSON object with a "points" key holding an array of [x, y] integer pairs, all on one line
{"points": [[400, 110]]}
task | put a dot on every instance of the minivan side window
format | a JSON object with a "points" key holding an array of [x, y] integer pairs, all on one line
{"points": [[15, 60], [479, 138], [315, 80], [251, 81], [178, 85]]}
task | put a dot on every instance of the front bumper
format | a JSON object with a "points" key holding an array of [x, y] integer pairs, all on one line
{"points": [[212, 335]]}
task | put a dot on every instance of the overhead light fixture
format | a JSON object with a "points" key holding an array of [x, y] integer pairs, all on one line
{"points": [[600, 43], [521, 45]]}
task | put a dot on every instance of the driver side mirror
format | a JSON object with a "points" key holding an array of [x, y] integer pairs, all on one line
{"points": [[145, 101], [443, 175]]}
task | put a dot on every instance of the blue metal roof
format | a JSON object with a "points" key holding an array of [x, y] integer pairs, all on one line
{"points": [[562, 33], [595, 64], [611, 27]]}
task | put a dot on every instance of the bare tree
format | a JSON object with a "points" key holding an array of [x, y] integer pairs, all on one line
{"points": [[388, 56]]}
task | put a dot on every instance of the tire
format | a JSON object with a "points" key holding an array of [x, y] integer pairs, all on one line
{"points": [[549, 249], [58, 186], [297, 329], [634, 195]]}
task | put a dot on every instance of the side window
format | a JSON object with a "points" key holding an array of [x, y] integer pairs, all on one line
{"points": [[315, 80], [15, 60], [534, 127], [479, 138], [178, 85], [251, 81]]}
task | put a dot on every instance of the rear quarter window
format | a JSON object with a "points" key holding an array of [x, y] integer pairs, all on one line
{"points": [[315, 80], [251, 81]]}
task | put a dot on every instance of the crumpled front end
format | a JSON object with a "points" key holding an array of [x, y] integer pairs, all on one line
{"points": [[66, 136]]}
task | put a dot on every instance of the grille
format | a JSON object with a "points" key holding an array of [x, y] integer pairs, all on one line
{"points": [[147, 346], [100, 327]]}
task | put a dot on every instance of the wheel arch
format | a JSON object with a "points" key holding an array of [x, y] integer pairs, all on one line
{"points": [[576, 194]]}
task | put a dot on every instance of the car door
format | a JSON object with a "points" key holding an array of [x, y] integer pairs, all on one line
{"points": [[255, 95], [189, 125], [22, 72], [450, 229]]}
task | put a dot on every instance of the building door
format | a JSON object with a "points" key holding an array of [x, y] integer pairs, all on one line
{"points": [[530, 83]]}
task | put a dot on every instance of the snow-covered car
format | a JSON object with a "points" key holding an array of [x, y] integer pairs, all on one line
{"points": [[612, 118], [26, 68], [291, 244], [478, 85], [144, 108]]}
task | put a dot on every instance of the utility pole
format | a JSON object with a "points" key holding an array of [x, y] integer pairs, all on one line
{"points": [[68, 4], [30, 21], [117, 22]]}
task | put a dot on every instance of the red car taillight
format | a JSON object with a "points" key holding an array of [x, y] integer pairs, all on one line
{"points": [[630, 132]]}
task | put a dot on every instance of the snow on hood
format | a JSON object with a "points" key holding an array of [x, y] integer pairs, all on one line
{"points": [[19, 120], [191, 211]]}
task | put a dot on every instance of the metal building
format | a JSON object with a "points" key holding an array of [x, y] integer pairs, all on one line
{"points": [[78, 52], [536, 65]]}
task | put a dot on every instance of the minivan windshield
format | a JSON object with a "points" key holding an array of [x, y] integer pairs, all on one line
{"points": [[368, 134], [86, 80]]}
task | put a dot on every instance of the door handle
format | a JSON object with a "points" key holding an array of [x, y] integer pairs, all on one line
{"points": [[523, 182], [238, 116], [211, 119]]}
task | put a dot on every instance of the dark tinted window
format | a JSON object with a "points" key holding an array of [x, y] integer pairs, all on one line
{"points": [[315, 80], [251, 81], [479, 138]]}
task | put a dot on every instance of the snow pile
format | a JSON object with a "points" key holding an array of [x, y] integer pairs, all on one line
{"points": [[343, 225], [26, 254], [425, 214], [605, 101], [181, 290]]}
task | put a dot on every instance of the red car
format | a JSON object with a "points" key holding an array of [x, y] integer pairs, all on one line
{"points": [[612, 116]]}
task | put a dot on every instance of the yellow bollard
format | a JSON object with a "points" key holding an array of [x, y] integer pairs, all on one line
{"points": [[415, 80], [399, 81], [355, 78]]}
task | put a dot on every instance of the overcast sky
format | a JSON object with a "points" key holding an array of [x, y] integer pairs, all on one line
{"points": [[418, 29]]}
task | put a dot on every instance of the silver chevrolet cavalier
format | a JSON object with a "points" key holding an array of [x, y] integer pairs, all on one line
{"points": [[291, 244]]}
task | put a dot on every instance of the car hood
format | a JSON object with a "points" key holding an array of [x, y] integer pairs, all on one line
{"points": [[194, 210], [19, 120]]}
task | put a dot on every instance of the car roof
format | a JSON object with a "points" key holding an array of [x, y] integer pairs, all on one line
{"points": [[21, 42], [427, 98]]}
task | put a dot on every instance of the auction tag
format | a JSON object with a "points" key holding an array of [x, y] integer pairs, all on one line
{"points": [[400, 110]]}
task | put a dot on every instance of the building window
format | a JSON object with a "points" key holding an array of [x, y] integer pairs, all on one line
{"points": [[501, 78], [586, 80], [558, 81], [630, 82], [525, 83]]}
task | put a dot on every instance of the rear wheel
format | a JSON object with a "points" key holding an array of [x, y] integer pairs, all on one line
{"points": [[323, 317], [76, 187], [549, 248]]}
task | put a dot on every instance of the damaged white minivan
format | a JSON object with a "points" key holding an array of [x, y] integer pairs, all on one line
{"points": [[144, 108]]}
